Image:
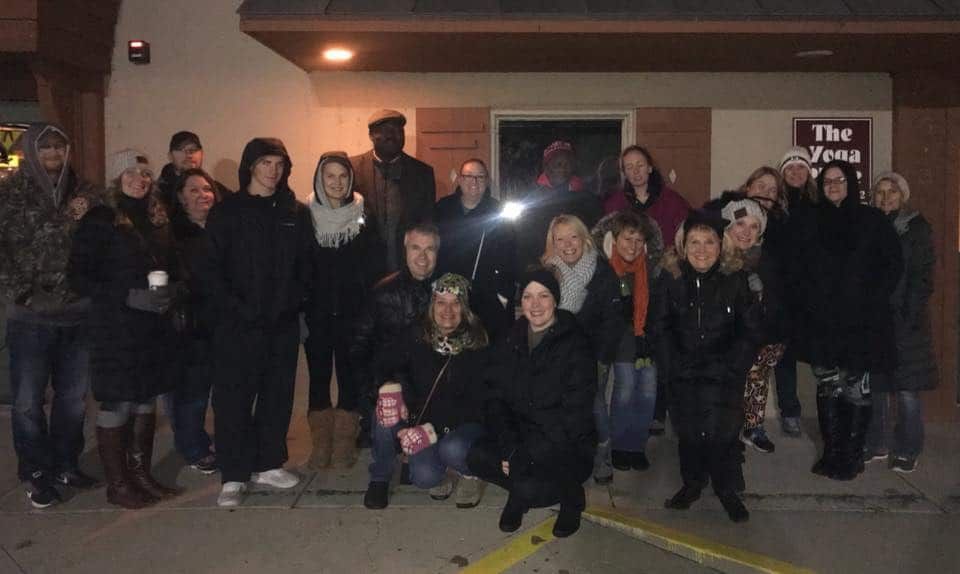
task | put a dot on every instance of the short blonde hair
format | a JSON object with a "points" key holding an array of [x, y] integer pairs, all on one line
{"points": [[577, 225]]}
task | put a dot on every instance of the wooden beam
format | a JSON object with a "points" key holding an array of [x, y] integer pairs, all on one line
{"points": [[18, 36]]}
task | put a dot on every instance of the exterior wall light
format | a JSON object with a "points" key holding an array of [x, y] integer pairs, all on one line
{"points": [[138, 51], [337, 54]]}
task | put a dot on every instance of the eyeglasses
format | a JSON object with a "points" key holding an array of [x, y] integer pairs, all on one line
{"points": [[473, 178], [189, 150], [835, 181]]}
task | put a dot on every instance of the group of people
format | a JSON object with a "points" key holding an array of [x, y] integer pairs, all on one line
{"points": [[474, 347]]}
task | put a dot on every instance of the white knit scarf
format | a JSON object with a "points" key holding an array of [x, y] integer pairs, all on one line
{"points": [[336, 227], [574, 280]]}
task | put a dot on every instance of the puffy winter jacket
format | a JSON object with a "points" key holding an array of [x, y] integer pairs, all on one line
{"points": [[541, 406], [710, 326]]}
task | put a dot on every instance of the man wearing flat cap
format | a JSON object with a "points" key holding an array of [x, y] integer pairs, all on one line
{"points": [[399, 189], [186, 152]]}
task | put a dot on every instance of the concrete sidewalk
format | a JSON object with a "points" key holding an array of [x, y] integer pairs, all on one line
{"points": [[881, 522]]}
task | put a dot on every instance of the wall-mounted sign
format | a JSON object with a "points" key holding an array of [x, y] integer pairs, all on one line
{"points": [[849, 139]]}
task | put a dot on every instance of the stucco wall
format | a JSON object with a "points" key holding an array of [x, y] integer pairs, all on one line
{"points": [[209, 77]]}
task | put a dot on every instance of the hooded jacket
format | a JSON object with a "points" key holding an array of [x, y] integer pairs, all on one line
{"points": [[480, 239], [256, 263], [347, 250], [39, 218], [847, 263]]}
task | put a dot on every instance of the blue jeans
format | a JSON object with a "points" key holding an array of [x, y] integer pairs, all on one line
{"points": [[42, 354], [631, 406], [900, 433], [187, 417], [427, 467]]}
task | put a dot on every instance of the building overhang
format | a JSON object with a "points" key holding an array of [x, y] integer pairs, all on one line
{"points": [[412, 39]]}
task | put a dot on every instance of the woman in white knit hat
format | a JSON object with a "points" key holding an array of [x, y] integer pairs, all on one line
{"points": [[115, 249], [901, 438]]}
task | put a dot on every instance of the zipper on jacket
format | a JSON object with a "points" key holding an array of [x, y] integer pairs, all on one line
{"points": [[699, 310]]}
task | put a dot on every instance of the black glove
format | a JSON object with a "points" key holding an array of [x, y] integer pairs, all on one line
{"points": [[149, 300]]}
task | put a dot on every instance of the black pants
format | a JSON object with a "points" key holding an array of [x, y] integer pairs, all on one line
{"points": [[707, 416], [786, 376], [329, 341], [537, 486], [256, 369]]}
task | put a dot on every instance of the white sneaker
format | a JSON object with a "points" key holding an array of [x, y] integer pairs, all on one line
{"points": [[277, 478], [231, 494]]}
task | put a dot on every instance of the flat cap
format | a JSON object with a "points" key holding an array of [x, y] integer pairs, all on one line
{"points": [[382, 116]]}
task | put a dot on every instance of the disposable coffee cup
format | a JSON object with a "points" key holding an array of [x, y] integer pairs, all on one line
{"points": [[157, 279]]}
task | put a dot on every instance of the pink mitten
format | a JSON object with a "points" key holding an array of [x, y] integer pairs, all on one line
{"points": [[390, 406], [415, 439]]}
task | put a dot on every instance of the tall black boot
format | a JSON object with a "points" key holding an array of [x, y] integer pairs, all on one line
{"points": [[856, 420], [830, 419]]}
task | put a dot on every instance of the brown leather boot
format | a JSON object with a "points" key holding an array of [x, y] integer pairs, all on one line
{"points": [[321, 435], [112, 444], [140, 458], [346, 428]]}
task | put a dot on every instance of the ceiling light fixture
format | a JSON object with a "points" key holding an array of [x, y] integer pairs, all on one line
{"points": [[814, 54], [337, 54]]}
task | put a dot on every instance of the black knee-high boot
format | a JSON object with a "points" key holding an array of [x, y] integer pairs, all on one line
{"points": [[831, 427]]}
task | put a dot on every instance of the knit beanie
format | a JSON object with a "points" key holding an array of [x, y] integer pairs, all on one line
{"points": [[555, 148], [746, 207], [123, 160], [898, 180], [543, 276], [796, 154]]}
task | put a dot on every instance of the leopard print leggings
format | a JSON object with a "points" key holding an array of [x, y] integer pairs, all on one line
{"points": [[758, 378]]}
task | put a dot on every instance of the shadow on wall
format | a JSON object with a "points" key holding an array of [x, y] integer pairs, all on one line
{"points": [[226, 173]]}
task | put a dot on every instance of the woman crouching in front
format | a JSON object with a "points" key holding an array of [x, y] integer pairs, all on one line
{"points": [[540, 411], [431, 398], [708, 342]]}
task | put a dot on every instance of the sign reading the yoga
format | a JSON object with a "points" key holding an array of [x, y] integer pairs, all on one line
{"points": [[848, 139]]}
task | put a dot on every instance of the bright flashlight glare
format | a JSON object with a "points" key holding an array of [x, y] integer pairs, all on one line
{"points": [[337, 54], [512, 210]]}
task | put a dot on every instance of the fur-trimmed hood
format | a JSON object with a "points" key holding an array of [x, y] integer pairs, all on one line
{"points": [[602, 234]]}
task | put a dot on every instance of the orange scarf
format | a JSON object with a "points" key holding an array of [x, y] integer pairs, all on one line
{"points": [[641, 293]]}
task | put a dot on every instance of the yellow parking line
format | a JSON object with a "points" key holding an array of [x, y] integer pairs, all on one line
{"points": [[692, 547], [520, 547]]}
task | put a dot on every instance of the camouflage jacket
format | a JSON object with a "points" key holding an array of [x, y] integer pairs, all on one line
{"points": [[35, 237]]}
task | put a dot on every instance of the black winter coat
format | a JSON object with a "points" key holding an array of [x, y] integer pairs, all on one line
{"points": [[193, 318], [461, 234], [771, 301], [345, 275], [460, 392], [847, 262], [541, 205], [601, 316], [130, 356], [256, 262], [541, 405], [396, 302], [710, 327], [917, 368]]}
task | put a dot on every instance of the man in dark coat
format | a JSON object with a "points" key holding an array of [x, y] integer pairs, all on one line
{"points": [[395, 303], [40, 206], [399, 189], [847, 263], [256, 270], [185, 153], [479, 244]]}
